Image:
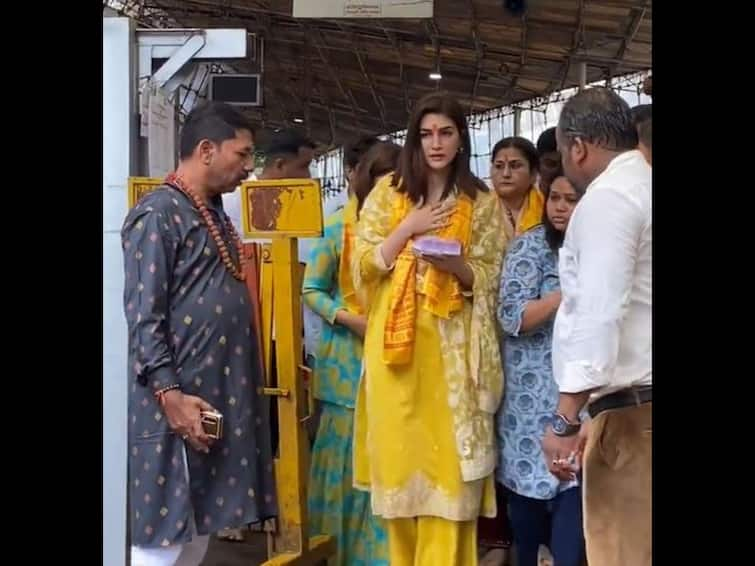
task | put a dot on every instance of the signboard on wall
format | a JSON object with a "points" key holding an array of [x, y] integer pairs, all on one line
{"points": [[363, 9], [140, 186], [282, 208]]}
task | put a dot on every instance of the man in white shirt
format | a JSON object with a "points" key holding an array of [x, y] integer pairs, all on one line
{"points": [[603, 334]]}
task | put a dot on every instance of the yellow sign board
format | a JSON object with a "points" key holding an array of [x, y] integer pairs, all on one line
{"points": [[282, 208], [140, 186]]}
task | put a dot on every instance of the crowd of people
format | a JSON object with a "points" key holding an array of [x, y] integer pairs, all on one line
{"points": [[478, 344]]}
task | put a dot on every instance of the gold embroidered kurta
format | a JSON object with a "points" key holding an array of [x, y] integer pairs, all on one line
{"points": [[424, 432]]}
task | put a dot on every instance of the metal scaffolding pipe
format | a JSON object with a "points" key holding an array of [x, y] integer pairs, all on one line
{"points": [[582, 75]]}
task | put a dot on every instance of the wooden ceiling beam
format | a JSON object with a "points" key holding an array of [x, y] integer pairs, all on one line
{"points": [[575, 44], [394, 42], [362, 75], [634, 26], [368, 80], [479, 53], [319, 42]]}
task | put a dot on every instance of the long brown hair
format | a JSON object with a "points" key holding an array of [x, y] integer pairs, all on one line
{"points": [[411, 175], [379, 160]]}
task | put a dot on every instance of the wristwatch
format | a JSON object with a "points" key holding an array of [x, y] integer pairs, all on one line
{"points": [[563, 426]]}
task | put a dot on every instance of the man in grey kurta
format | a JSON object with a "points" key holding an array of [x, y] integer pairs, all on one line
{"points": [[190, 326]]}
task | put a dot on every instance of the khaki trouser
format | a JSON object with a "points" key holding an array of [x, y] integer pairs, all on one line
{"points": [[617, 488]]}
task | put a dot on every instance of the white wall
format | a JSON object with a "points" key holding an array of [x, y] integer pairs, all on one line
{"points": [[119, 122]]}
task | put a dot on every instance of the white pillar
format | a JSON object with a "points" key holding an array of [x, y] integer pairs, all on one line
{"points": [[517, 121], [119, 122], [582, 75]]}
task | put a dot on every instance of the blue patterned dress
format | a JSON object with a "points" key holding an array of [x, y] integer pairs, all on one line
{"points": [[530, 392], [335, 507]]}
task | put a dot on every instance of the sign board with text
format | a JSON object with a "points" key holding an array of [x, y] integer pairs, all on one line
{"points": [[363, 9], [140, 186]]}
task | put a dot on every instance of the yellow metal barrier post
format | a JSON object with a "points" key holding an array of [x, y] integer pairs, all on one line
{"points": [[284, 210]]}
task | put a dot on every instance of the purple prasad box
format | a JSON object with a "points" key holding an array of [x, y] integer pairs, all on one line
{"points": [[432, 245]]}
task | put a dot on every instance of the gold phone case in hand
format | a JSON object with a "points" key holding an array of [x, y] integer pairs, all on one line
{"points": [[212, 423]]}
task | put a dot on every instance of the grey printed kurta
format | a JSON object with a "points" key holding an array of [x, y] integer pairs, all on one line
{"points": [[190, 322]]}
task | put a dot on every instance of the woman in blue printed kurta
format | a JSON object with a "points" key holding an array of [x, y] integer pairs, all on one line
{"points": [[543, 510], [335, 507]]}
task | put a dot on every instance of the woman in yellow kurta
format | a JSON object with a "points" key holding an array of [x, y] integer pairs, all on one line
{"points": [[432, 379]]}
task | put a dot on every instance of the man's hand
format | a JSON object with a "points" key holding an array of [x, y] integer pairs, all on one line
{"points": [[182, 412], [562, 454]]}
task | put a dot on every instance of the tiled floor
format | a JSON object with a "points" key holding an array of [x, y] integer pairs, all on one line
{"points": [[252, 552], [500, 557]]}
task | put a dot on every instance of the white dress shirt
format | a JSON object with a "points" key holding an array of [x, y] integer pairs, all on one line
{"points": [[602, 336], [232, 207]]}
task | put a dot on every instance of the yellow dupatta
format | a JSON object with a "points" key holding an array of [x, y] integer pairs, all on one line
{"points": [[441, 290], [531, 214]]}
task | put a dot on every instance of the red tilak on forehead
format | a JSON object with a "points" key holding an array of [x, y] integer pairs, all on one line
{"points": [[435, 128]]}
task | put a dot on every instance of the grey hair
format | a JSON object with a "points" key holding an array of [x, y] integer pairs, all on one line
{"points": [[601, 117]]}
